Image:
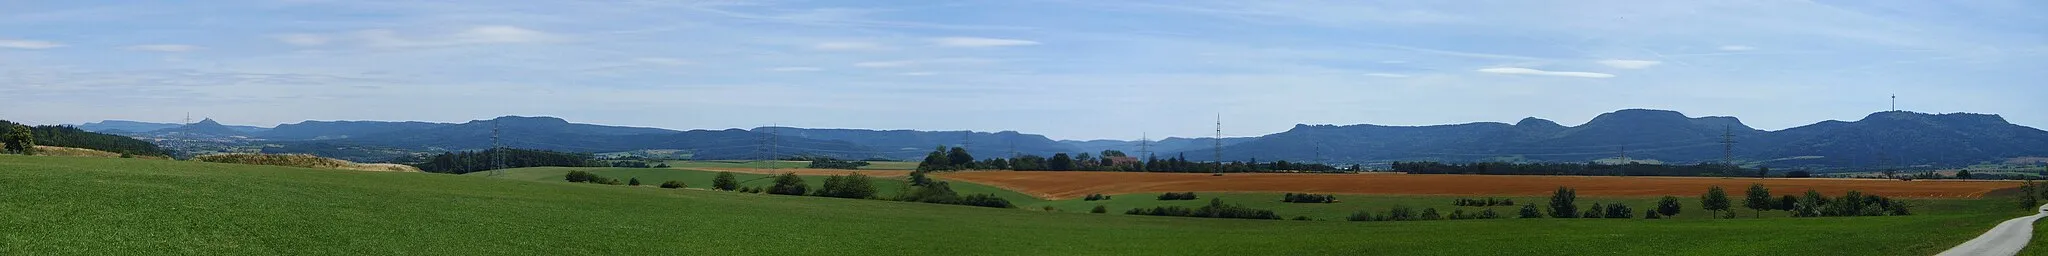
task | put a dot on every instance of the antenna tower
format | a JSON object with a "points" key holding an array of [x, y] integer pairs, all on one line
{"points": [[1895, 102]]}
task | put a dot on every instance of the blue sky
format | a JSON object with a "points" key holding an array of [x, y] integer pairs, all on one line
{"points": [[1067, 69]]}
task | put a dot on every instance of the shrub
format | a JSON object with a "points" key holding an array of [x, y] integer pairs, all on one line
{"points": [[1400, 213], [1668, 206], [1619, 211], [1178, 196], [1651, 215], [579, 176], [1099, 209], [672, 184], [1215, 209], [1360, 216], [789, 184], [1308, 198], [1095, 197], [1301, 218], [984, 200], [848, 186], [1529, 211], [1596, 212], [635, 181], [1429, 214], [1488, 213], [725, 181]]}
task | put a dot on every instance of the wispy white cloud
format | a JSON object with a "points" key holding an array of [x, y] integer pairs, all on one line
{"points": [[918, 73], [663, 61], [844, 46], [910, 63], [795, 69], [302, 39], [1386, 75], [163, 48], [1630, 64], [980, 42], [1536, 72], [1737, 48], [28, 44]]}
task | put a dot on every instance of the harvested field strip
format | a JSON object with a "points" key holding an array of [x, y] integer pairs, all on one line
{"points": [[1067, 185]]}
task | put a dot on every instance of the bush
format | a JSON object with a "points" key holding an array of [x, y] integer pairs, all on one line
{"points": [[1651, 215], [1308, 198], [1301, 218], [725, 181], [1619, 211], [848, 186], [1360, 216], [635, 181], [1429, 214], [579, 176], [1095, 197], [828, 163], [672, 184], [939, 192], [1668, 206], [1563, 203], [1529, 211], [1178, 196], [789, 184], [1099, 209]]}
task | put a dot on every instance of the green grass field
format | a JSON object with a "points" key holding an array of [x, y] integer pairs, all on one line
{"points": [[1380, 204], [100, 206], [884, 187], [780, 164]]}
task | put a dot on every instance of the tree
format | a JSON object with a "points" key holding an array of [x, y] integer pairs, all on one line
{"points": [[1060, 162], [725, 182], [579, 176], [1810, 206], [789, 184], [19, 140], [935, 161], [1563, 203], [1099, 209], [635, 181], [1715, 200], [1788, 203], [1758, 198], [917, 178], [1963, 174], [959, 159], [1668, 206]]}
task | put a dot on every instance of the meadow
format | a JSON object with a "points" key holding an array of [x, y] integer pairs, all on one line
{"points": [[101, 206]]}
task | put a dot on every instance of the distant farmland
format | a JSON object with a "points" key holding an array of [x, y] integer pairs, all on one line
{"points": [[1067, 185]]}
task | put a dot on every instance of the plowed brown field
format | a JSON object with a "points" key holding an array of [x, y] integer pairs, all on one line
{"points": [[1065, 185], [810, 172]]}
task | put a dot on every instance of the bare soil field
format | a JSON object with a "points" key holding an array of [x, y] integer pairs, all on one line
{"points": [[1066, 185], [807, 172]]}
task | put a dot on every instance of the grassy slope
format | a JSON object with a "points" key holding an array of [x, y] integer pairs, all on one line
{"points": [[1379, 204], [63, 205]]}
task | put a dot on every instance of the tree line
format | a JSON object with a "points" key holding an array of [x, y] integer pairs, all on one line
{"points": [[1582, 169], [475, 161], [22, 139], [956, 158], [1215, 209]]}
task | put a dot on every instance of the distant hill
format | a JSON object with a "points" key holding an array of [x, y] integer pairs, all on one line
{"points": [[1165, 146], [203, 128], [555, 134], [123, 126], [317, 130], [913, 145], [1667, 136]]}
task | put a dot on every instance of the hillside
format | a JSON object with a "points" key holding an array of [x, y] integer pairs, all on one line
{"points": [[318, 130], [1168, 145], [226, 209], [126, 127], [910, 144], [203, 128], [555, 134], [1905, 138]]}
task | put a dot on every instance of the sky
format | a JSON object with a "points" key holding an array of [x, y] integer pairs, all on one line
{"points": [[1068, 69]]}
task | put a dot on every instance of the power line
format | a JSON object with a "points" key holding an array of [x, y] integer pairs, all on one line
{"points": [[497, 151], [1219, 144]]}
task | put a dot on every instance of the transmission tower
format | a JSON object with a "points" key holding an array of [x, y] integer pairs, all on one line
{"points": [[1145, 150], [1218, 144], [773, 137], [1624, 155], [966, 139], [497, 151], [1727, 145]]}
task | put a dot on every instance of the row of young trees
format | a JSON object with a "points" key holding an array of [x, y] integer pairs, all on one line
{"points": [[1403, 213], [1308, 198], [857, 186], [587, 177], [829, 163], [1484, 202], [1583, 169], [474, 161], [955, 158], [1215, 209]]}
